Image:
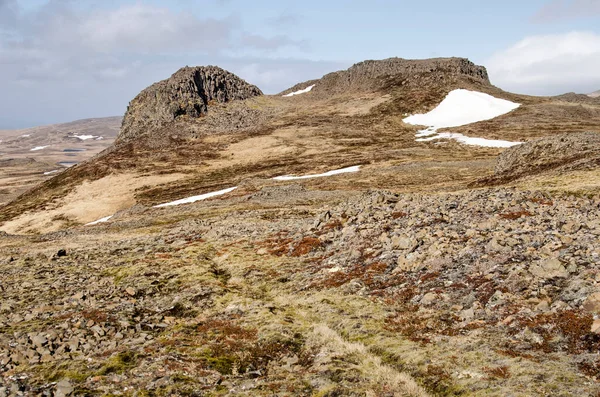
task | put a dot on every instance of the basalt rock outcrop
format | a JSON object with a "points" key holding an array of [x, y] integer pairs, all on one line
{"points": [[370, 75], [573, 150], [187, 93], [564, 152]]}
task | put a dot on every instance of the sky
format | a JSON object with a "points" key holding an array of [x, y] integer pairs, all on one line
{"points": [[62, 60]]}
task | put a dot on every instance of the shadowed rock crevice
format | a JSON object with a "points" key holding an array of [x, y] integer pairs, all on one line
{"points": [[187, 93]]}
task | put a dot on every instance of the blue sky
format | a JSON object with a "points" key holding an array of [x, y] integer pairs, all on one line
{"points": [[62, 60]]}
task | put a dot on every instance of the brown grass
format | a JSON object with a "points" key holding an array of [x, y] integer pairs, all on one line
{"points": [[515, 215], [497, 372]]}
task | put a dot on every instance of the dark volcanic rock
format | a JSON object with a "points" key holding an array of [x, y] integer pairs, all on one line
{"points": [[566, 151], [368, 75], [188, 92], [550, 150]]}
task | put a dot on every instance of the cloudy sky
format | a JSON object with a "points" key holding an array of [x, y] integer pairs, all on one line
{"points": [[62, 60]]}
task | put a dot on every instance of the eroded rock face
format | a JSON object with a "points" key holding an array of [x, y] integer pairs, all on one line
{"points": [[572, 151], [189, 92], [368, 74]]}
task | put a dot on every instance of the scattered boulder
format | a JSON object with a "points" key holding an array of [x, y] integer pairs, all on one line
{"points": [[549, 268], [63, 388]]}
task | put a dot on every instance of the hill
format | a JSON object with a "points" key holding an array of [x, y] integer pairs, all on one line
{"points": [[398, 228], [32, 155], [595, 94]]}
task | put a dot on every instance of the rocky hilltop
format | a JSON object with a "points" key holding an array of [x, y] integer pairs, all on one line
{"points": [[188, 92], [573, 151], [595, 94], [369, 75]]}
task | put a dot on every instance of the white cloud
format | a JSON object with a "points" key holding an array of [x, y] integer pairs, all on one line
{"points": [[549, 64], [147, 28], [567, 9]]}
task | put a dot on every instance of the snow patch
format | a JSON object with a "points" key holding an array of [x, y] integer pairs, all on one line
{"points": [[355, 168], [193, 199], [83, 137], [462, 107], [101, 220], [51, 172], [304, 91], [35, 149], [25, 136], [470, 141]]}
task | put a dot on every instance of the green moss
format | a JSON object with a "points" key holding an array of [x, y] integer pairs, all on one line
{"points": [[118, 363], [74, 370]]}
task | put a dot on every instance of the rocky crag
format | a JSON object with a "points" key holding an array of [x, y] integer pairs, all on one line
{"points": [[187, 93], [576, 151], [370, 75]]}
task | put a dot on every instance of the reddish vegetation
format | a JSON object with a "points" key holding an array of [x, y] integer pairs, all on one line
{"points": [[541, 201], [399, 214], [497, 373], [279, 245], [567, 330], [515, 215], [305, 246]]}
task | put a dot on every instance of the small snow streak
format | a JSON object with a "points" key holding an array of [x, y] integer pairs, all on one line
{"points": [[355, 168], [35, 149], [471, 141], [196, 198], [84, 137], [304, 91], [102, 220]]}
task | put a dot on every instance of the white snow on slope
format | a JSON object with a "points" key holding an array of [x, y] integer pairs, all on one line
{"points": [[84, 137], [462, 107], [35, 149], [196, 198], [355, 168], [471, 141], [102, 220], [51, 172], [304, 91]]}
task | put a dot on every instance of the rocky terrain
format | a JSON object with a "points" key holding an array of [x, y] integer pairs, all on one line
{"points": [[574, 151], [431, 268], [187, 93], [595, 94]]}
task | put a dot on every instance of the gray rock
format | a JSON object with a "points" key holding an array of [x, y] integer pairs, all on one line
{"points": [[63, 388], [566, 151], [188, 92], [549, 268]]}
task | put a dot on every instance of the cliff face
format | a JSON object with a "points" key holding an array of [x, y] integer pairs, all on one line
{"points": [[189, 92], [370, 75]]}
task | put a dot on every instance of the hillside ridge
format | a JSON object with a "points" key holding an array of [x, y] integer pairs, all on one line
{"points": [[188, 92]]}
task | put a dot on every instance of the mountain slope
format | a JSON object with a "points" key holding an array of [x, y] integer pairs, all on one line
{"points": [[313, 245], [349, 118], [595, 94]]}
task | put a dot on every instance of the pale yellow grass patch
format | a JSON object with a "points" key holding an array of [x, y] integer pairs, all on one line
{"points": [[88, 202]]}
